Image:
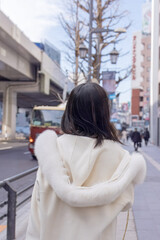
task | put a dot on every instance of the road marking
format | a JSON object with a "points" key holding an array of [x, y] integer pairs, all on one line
{"points": [[2, 227], [26, 152], [152, 161], [4, 148]]}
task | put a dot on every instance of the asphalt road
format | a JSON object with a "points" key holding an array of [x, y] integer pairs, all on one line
{"points": [[14, 159]]}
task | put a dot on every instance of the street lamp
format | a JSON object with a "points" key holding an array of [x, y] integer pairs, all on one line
{"points": [[114, 56], [82, 50]]}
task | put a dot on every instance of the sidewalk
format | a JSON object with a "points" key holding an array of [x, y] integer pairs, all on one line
{"points": [[8, 144], [121, 224], [146, 208], [21, 223]]}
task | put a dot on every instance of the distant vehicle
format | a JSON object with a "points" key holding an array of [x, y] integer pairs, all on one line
{"points": [[43, 118]]}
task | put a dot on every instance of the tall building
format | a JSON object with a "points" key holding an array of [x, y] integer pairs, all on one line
{"points": [[146, 64], [141, 57], [137, 79], [155, 74], [50, 50], [146, 18]]}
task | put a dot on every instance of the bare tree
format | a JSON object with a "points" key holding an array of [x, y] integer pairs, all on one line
{"points": [[106, 15]]}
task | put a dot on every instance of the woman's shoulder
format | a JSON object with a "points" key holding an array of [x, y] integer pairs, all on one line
{"points": [[45, 136], [112, 143], [114, 149]]}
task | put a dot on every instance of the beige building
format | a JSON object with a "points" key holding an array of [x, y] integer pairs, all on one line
{"points": [[155, 74], [146, 64], [141, 61]]}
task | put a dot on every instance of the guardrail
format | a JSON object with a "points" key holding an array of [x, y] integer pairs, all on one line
{"points": [[12, 200]]}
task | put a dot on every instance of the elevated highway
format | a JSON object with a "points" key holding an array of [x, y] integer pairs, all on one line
{"points": [[28, 76]]}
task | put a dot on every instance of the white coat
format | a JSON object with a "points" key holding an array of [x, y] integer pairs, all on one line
{"points": [[80, 189], [124, 136]]}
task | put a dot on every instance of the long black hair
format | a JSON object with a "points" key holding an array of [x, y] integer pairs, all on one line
{"points": [[87, 113]]}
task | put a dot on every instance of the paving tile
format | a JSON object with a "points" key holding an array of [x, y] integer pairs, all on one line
{"points": [[147, 235], [121, 224], [146, 208], [145, 224], [142, 214]]}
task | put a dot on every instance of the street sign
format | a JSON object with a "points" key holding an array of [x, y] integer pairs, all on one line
{"points": [[112, 96], [114, 120]]}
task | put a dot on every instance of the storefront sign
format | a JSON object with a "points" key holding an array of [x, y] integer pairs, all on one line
{"points": [[112, 96]]}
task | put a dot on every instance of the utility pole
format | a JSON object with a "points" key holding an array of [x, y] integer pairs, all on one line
{"points": [[90, 40], [77, 45], [65, 87], [98, 57]]}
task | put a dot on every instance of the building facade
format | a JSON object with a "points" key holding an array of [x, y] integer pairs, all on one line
{"points": [[155, 74], [137, 78], [141, 62], [145, 93]]}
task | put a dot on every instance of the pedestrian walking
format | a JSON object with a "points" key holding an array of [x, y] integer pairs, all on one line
{"points": [[146, 136], [128, 135], [85, 177], [124, 136], [136, 138]]}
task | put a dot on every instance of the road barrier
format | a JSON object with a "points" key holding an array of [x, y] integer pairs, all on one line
{"points": [[11, 201]]}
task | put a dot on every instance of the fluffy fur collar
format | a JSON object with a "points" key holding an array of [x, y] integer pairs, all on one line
{"points": [[132, 170]]}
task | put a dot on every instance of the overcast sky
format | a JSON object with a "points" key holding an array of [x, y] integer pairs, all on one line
{"points": [[38, 19]]}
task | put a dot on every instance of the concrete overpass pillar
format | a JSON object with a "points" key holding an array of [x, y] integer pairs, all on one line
{"points": [[9, 113]]}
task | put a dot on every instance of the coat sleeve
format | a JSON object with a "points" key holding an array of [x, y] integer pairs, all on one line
{"points": [[33, 229]]}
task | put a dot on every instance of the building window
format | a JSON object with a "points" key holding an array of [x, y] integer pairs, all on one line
{"points": [[148, 69], [147, 98], [141, 99], [149, 46], [148, 79], [148, 89], [159, 23], [140, 109], [159, 56], [148, 58]]}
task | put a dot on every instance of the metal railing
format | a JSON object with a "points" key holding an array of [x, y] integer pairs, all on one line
{"points": [[11, 201]]}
